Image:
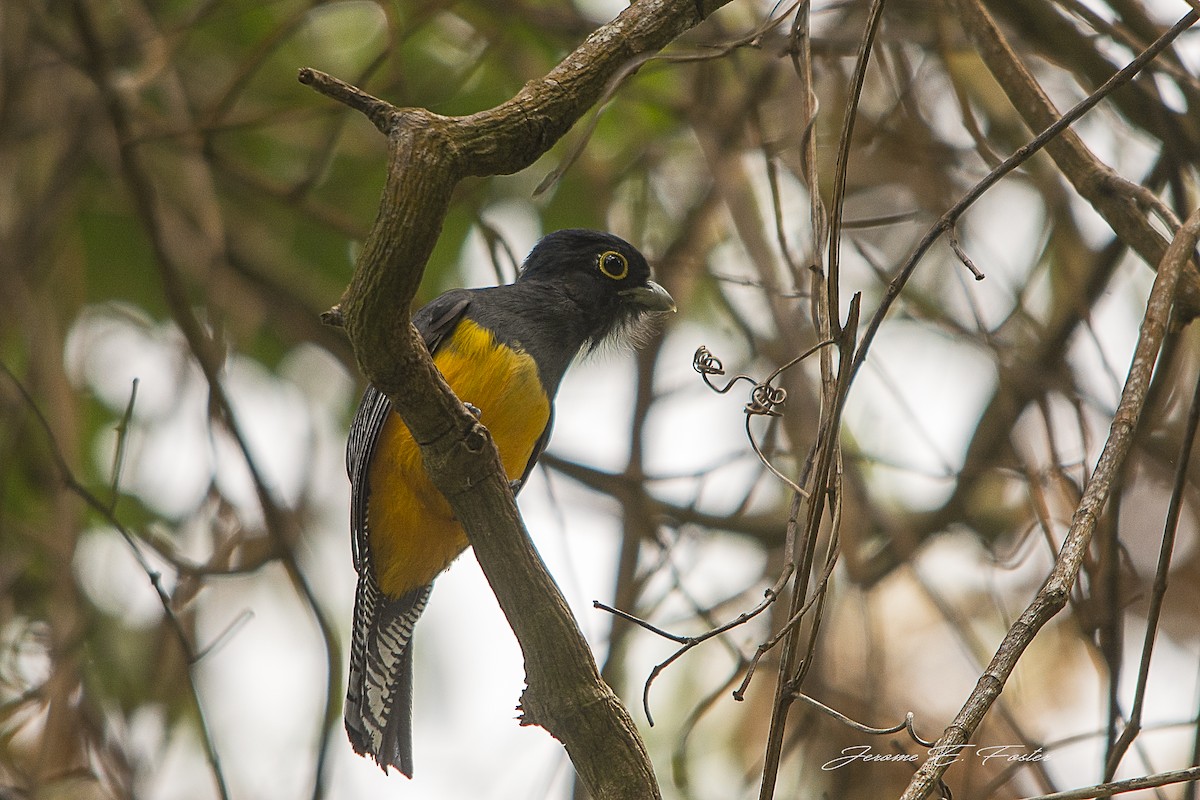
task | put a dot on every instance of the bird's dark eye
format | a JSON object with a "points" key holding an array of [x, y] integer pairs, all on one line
{"points": [[614, 265]]}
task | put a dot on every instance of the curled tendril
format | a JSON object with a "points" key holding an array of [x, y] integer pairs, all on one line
{"points": [[707, 364], [764, 398], [908, 725]]}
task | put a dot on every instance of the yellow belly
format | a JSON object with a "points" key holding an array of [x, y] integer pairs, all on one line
{"points": [[412, 531]]}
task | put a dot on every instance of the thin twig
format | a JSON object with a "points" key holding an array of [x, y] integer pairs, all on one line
{"points": [[689, 642], [1158, 590], [786, 629], [952, 235], [842, 166], [1120, 787], [380, 112], [118, 462]]}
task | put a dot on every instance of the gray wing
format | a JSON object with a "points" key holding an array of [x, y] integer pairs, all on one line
{"points": [[378, 710], [434, 322]]}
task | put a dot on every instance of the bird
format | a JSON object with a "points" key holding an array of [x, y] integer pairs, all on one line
{"points": [[504, 351]]}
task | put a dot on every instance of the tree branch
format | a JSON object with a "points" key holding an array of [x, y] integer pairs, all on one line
{"points": [[1053, 595], [428, 155]]}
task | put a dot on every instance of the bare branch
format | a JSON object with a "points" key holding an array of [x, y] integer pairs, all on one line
{"points": [[1121, 787], [1052, 597]]}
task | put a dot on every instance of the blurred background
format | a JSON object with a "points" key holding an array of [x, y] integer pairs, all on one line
{"points": [[176, 211]]}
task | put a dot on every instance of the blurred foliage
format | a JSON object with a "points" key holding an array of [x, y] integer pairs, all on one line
{"points": [[161, 166]]}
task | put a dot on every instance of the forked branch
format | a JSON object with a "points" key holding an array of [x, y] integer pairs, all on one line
{"points": [[428, 154]]}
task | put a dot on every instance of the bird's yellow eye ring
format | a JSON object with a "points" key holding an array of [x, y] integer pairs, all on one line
{"points": [[614, 265]]}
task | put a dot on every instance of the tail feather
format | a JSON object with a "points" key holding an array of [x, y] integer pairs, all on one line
{"points": [[379, 697]]}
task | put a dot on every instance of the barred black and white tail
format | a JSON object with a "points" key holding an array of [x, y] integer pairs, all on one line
{"points": [[379, 696]]}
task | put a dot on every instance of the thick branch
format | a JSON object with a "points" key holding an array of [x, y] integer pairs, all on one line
{"points": [[428, 155]]}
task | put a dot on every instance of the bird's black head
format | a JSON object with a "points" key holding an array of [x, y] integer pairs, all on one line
{"points": [[603, 276]]}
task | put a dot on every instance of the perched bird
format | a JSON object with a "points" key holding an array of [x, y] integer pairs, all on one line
{"points": [[503, 350]]}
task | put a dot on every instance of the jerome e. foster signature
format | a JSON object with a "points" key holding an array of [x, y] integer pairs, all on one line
{"points": [[945, 755]]}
